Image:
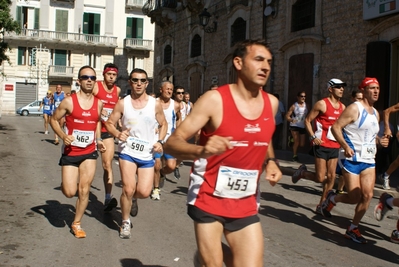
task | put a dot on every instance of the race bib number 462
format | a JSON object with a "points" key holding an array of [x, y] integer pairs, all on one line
{"points": [[236, 183], [82, 138]]}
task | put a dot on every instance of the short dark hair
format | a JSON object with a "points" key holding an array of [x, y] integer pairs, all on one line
{"points": [[241, 47], [300, 92], [110, 65], [85, 67], [178, 87], [355, 92], [137, 70]]}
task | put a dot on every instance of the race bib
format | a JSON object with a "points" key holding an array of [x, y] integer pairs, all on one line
{"points": [[57, 103], [236, 183], [105, 117], [330, 135], [368, 151], [46, 107], [82, 138], [138, 147]]}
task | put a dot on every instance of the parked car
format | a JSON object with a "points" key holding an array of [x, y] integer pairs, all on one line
{"points": [[30, 109]]}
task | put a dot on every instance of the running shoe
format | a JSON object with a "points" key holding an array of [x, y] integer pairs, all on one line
{"points": [[135, 208], [395, 236], [327, 204], [381, 177], [382, 208], [385, 185], [161, 180], [124, 232], [318, 210], [109, 204], [155, 194], [298, 173], [196, 260], [295, 158], [176, 172], [77, 231], [355, 235], [56, 142]]}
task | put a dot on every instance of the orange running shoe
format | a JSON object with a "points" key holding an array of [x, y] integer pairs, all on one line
{"points": [[77, 231]]}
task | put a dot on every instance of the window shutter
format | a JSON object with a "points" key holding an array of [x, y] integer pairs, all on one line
{"points": [[37, 19], [97, 20], [129, 26], [85, 29]]}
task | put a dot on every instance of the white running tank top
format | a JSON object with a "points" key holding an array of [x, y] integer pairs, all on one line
{"points": [[299, 115], [170, 116], [360, 136], [183, 111], [142, 124]]}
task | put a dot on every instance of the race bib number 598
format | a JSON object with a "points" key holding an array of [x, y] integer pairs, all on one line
{"points": [[236, 183]]}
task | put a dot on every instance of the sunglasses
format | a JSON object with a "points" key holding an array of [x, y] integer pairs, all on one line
{"points": [[179, 93], [86, 77], [136, 80], [302, 95], [337, 86]]}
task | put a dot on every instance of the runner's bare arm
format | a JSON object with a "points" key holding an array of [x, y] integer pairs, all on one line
{"points": [[100, 144], [201, 116], [116, 114], [178, 114], [387, 112], [289, 113], [349, 115], [63, 109], [319, 107], [160, 117]]}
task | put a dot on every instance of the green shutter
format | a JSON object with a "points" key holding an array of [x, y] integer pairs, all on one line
{"points": [[129, 26], [21, 54], [97, 20], [60, 57], [61, 20], [85, 23], [139, 28], [19, 17], [37, 19]]}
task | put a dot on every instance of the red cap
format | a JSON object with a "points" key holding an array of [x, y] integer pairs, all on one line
{"points": [[366, 81]]}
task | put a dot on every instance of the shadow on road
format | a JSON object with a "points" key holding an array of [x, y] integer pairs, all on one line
{"points": [[136, 263], [324, 233], [58, 215]]}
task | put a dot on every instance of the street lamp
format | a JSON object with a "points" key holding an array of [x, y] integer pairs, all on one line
{"points": [[204, 17]]}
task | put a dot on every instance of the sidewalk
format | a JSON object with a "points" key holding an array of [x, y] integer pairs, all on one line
{"points": [[288, 167]]}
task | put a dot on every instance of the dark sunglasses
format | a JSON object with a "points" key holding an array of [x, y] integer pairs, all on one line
{"points": [[337, 86], [302, 95], [86, 77], [179, 93], [136, 80]]}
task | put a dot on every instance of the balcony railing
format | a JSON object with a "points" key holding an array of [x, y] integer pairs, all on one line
{"points": [[135, 3], [136, 43], [60, 71], [53, 36]]}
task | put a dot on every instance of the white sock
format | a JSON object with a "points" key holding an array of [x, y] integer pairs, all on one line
{"points": [[386, 176], [126, 221], [389, 202], [352, 227]]}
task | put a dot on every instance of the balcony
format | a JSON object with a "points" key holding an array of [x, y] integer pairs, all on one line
{"points": [[138, 44], [131, 4], [62, 37], [60, 71]]}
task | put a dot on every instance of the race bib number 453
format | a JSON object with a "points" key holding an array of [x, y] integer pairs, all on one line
{"points": [[236, 183]]}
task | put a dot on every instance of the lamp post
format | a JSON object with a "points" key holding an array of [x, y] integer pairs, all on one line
{"points": [[204, 18]]}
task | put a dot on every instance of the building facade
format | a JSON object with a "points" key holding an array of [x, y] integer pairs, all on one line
{"points": [[312, 41], [60, 36]]}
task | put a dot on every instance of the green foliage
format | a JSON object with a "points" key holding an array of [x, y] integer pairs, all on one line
{"points": [[7, 24]]}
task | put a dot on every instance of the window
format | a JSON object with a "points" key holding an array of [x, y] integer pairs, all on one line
{"points": [[61, 20], [303, 15], [167, 55], [26, 56], [135, 62], [134, 28], [91, 60], [28, 17], [91, 23], [196, 46], [238, 31]]}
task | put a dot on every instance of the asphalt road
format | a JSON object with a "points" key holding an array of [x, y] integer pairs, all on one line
{"points": [[35, 218]]}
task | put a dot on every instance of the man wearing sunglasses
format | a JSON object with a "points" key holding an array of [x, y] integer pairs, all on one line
{"points": [[325, 148], [140, 115], [108, 93], [81, 141]]}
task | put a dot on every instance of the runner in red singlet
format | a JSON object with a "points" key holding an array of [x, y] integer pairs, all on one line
{"points": [[235, 146]]}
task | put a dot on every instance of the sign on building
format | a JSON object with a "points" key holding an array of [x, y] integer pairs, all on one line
{"points": [[379, 8]]}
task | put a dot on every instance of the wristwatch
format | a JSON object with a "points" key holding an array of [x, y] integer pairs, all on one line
{"points": [[162, 142], [313, 137]]}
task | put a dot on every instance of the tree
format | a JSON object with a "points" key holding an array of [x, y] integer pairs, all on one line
{"points": [[7, 24]]}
